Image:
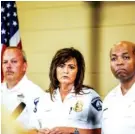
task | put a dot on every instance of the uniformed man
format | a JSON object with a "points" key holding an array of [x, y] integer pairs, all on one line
{"points": [[20, 96], [119, 104]]}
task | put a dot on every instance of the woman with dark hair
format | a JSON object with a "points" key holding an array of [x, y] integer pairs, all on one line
{"points": [[61, 57], [69, 106]]}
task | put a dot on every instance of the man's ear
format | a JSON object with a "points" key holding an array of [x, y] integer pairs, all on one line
{"points": [[25, 66]]}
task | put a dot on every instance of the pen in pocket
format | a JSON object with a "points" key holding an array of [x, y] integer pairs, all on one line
{"points": [[70, 110]]}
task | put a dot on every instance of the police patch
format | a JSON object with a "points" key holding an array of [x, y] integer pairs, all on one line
{"points": [[35, 103], [97, 103]]}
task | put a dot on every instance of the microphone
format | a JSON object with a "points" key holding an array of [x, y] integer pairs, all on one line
{"points": [[18, 110]]}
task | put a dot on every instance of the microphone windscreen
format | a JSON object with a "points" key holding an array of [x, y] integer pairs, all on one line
{"points": [[18, 110]]}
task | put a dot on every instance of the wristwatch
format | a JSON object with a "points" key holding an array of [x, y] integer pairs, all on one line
{"points": [[76, 131]]}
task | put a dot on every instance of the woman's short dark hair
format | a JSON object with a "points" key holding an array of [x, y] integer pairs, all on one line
{"points": [[62, 56]]}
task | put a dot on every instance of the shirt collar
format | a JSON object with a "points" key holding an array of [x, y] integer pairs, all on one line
{"points": [[129, 94], [18, 86], [58, 96]]}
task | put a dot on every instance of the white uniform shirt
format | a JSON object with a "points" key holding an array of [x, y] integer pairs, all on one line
{"points": [[80, 111], [25, 91], [119, 112]]}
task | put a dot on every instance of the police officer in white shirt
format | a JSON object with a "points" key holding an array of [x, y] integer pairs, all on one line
{"points": [[119, 104], [70, 106], [20, 96]]}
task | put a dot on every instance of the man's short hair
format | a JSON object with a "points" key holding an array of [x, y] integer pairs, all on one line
{"points": [[22, 52]]}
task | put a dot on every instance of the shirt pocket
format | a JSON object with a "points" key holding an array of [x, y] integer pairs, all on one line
{"points": [[129, 117], [105, 113]]}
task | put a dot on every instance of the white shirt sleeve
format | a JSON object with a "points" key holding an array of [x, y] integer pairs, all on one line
{"points": [[95, 112]]}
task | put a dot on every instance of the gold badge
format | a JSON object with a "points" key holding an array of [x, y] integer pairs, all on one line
{"points": [[78, 106]]}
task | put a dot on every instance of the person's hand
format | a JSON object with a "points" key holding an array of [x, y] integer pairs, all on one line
{"points": [[44, 131], [59, 130]]}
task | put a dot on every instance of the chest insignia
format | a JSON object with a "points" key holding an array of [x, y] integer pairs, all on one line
{"points": [[78, 106]]}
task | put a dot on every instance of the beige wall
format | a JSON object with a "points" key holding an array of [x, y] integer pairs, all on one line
{"points": [[48, 26]]}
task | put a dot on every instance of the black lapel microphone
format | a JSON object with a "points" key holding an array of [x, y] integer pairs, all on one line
{"points": [[18, 110]]}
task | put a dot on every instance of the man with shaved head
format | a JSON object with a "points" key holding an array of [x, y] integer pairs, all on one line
{"points": [[20, 96], [119, 104]]}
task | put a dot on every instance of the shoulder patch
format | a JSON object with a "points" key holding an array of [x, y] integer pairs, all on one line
{"points": [[97, 103], [35, 104]]}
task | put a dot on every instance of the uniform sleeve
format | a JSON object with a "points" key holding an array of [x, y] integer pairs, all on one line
{"points": [[38, 112], [34, 122], [95, 112], [33, 113], [33, 96]]}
